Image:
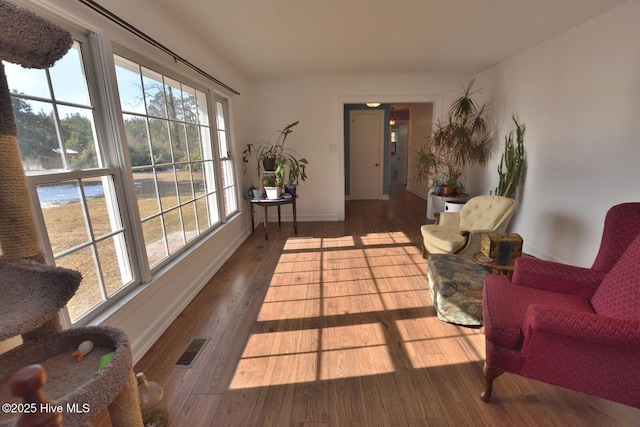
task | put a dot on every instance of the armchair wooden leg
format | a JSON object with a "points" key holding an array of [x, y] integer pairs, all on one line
{"points": [[490, 374]]}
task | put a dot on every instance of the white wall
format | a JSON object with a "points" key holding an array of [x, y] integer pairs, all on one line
{"points": [[420, 128], [578, 95], [318, 104]]}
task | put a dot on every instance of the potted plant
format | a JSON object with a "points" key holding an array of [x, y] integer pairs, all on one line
{"points": [[269, 151], [272, 155], [271, 188], [450, 188], [297, 173], [436, 185], [461, 140], [511, 163], [266, 152], [254, 192]]}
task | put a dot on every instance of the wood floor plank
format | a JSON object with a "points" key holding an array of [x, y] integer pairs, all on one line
{"points": [[334, 327], [197, 410]]}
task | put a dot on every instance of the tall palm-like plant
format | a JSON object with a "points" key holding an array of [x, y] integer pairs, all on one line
{"points": [[459, 141]]}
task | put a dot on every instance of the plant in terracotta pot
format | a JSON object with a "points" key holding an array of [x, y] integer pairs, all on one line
{"points": [[459, 141]]}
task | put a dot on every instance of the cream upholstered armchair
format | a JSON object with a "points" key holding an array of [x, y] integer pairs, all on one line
{"points": [[461, 232]]}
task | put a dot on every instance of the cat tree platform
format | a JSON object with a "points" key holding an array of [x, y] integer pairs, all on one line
{"points": [[78, 387], [33, 294]]}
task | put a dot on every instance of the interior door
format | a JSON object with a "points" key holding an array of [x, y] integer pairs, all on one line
{"points": [[366, 142]]}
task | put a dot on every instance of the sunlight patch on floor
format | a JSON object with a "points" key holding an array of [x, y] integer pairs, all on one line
{"points": [[425, 347], [355, 362], [313, 354], [338, 242], [404, 299], [290, 309], [351, 305], [293, 293], [301, 243], [333, 280]]}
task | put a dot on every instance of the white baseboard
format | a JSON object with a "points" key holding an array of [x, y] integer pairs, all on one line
{"points": [[542, 254], [143, 342]]}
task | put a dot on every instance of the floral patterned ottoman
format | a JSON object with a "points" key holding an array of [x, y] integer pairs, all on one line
{"points": [[455, 284]]}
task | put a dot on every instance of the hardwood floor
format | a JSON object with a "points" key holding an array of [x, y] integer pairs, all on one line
{"points": [[335, 327]]}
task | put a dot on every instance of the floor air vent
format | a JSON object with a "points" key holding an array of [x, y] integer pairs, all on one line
{"points": [[189, 355]]}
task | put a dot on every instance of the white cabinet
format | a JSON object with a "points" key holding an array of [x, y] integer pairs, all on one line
{"points": [[437, 203]]}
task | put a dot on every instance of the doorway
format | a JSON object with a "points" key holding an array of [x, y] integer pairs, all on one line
{"points": [[399, 155], [367, 152], [413, 124]]}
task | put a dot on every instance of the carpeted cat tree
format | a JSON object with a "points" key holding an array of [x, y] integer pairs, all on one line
{"points": [[31, 293]]}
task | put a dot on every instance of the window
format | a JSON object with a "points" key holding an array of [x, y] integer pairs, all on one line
{"points": [[226, 160], [80, 211], [163, 147], [168, 138]]}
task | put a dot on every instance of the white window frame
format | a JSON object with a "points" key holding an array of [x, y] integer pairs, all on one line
{"points": [[227, 157], [98, 50], [114, 195], [212, 171]]}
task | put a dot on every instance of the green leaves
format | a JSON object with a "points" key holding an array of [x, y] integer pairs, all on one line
{"points": [[465, 107], [286, 158], [459, 141], [511, 163]]}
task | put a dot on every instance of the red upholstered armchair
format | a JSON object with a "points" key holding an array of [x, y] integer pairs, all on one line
{"points": [[574, 327]]}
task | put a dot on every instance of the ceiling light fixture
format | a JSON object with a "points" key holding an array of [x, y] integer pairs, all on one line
{"points": [[373, 104]]}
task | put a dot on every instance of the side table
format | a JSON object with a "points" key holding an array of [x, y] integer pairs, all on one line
{"points": [[494, 268], [265, 203], [438, 202]]}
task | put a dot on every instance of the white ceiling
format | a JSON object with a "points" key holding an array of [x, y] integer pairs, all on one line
{"points": [[274, 38]]}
